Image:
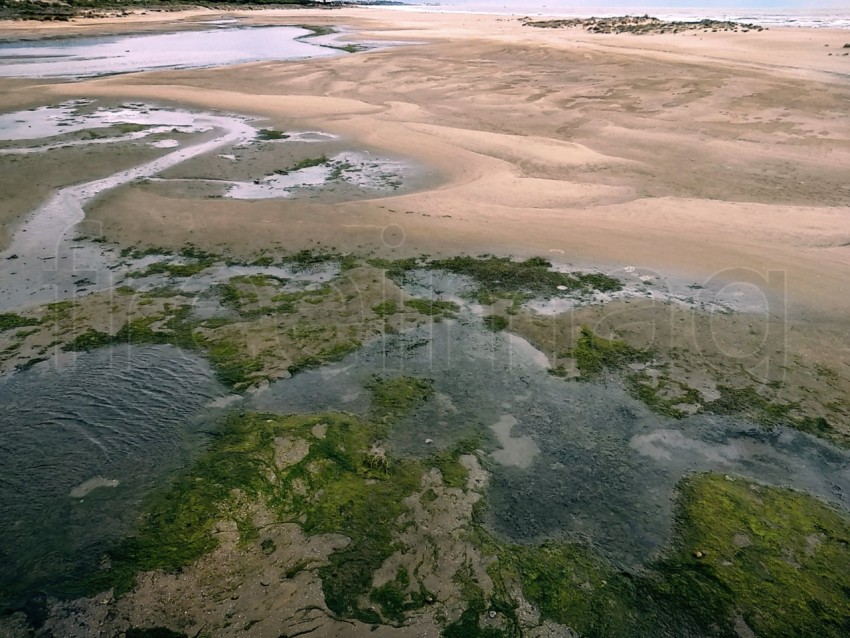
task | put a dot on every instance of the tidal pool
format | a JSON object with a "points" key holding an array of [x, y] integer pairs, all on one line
{"points": [[84, 57], [568, 459], [81, 445]]}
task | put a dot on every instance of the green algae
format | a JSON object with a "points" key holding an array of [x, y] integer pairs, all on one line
{"points": [[775, 559], [267, 134], [783, 556], [396, 598], [496, 322], [345, 496], [385, 308], [663, 395], [433, 307], [503, 277], [772, 558], [468, 623], [328, 354], [10, 321], [594, 354], [340, 492], [394, 397]]}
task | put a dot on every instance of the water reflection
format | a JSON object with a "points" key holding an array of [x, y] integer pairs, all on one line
{"points": [[81, 57]]}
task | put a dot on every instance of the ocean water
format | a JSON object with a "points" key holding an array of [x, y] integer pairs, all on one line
{"points": [[767, 13]]}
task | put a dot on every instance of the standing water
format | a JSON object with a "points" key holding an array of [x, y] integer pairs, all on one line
{"points": [[81, 446], [81, 57]]}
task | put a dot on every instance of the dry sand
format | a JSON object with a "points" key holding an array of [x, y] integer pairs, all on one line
{"points": [[692, 153]]}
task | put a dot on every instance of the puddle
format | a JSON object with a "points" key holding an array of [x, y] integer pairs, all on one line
{"points": [[91, 56], [46, 258], [368, 173], [43, 260], [75, 116]]}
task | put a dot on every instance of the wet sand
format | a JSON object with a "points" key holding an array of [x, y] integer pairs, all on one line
{"points": [[689, 153], [704, 158]]}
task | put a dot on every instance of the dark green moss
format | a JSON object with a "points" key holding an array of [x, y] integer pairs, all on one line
{"points": [[172, 270], [386, 308], [89, 340], [304, 260], [315, 30], [750, 404], [305, 163], [177, 525], [448, 462], [649, 391], [469, 622], [332, 352], [395, 599]]}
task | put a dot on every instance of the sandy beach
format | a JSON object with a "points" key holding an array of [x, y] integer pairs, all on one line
{"points": [[695, 153]]}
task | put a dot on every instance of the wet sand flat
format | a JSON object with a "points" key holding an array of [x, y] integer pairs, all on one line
{"points": [[692, 152]]}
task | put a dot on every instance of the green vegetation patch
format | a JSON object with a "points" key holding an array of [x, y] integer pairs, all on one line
{"points": [[496, 322], [664, 395], [177, 525], [337, 491], [386, 308], [397, 269], [308, 162], [782, 556], [396, 598], [10, 321], [130, 127], [393, 397], [777, 559], [433, 307], [502, 277], [468, 625], [271, 134], [594, 354], [750, 404], [330, 353]]}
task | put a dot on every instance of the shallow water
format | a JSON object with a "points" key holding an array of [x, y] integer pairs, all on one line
{"points": [[43, 260], [81, 445], [573, 460], [82, 57]]}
